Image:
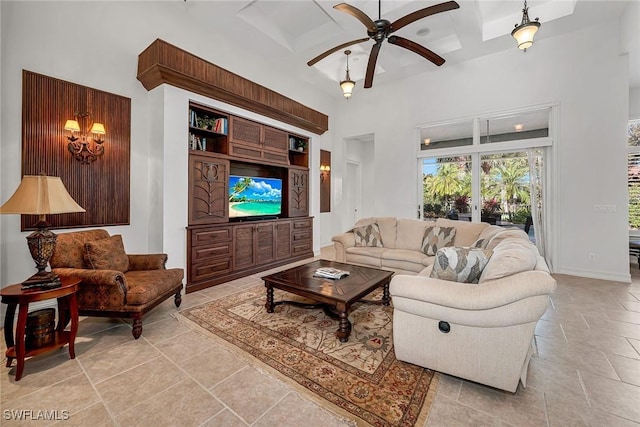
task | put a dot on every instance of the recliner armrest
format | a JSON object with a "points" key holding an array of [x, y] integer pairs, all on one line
{"points": [[138, 262]]}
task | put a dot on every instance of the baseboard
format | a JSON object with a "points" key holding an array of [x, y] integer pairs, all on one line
{"points": [[625, 278]]}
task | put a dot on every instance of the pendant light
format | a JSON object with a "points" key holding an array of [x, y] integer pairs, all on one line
{"points": [[347, 84], [524, 32]]}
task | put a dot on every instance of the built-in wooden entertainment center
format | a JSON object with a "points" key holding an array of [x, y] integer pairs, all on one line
{"points": [[221, 248]]}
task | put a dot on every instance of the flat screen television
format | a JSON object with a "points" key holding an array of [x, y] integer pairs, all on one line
{"points": [[253, 197]]}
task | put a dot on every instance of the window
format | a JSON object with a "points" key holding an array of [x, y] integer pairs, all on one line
{"points": [[633, 176]]}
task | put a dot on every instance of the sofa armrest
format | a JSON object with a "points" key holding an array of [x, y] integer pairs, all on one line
{"points": [[466, 296], [341, 243], [139, 262], [100, 289]]}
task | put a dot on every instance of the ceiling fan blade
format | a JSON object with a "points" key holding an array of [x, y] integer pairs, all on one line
{"points": [[416, 48], [371, 66], [335, 49], [423, 13], [358, 14]]}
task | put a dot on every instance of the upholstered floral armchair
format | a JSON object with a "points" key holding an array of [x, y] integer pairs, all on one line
{"points": [[114, 283]]}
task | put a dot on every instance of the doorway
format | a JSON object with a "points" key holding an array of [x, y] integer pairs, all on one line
{"points": [[353, 193]]}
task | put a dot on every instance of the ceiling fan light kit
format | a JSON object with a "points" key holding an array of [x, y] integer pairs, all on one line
{"points": [[527, 29], [382, 29]]}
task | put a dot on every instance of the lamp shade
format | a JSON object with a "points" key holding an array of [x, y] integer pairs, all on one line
{"points": [[40, 195], [72, 125], [98, 128], [524, 34], [347, 87]]}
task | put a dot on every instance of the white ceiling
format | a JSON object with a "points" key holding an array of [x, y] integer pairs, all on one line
{"points": [[292, 32]]}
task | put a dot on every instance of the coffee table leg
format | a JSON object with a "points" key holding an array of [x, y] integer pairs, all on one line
{"points": [[344, 328], [269, 304], [386, 298]]}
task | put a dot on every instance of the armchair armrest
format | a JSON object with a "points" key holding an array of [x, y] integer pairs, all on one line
{"points": [[100, 289], [341, 243], [139, 262]]}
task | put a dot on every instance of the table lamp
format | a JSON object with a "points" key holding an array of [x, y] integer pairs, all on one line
{"points": [[41, 195]]}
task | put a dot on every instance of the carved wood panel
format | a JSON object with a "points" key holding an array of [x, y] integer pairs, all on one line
{"points": [[101, 187], [298, 202], [208, 190]]}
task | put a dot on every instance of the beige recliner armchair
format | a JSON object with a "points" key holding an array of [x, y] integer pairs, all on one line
{"points": [[481, 332]]}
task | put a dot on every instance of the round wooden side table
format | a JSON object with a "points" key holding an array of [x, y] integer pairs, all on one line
{"points": [[14, 296]]}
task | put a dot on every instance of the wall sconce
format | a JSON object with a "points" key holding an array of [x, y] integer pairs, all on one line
{"points": [[81, 148], [524, 32], [325, 171]]}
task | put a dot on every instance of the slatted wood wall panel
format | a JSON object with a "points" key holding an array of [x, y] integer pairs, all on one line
{"points": [[101, 187], [162, 62]]}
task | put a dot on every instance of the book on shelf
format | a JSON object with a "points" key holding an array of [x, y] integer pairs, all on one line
{"points": [[220, 125], [330, 273]]}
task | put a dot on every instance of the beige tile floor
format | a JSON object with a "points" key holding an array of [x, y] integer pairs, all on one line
{"points": [[586, 373]]}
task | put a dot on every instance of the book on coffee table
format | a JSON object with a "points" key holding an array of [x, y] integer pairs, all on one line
{"points": [[330, 273]]}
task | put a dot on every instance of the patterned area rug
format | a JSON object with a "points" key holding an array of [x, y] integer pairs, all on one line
{"points": [[361, 378]]}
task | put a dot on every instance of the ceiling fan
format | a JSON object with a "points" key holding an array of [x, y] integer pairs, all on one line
{"points": [[381, 29]]}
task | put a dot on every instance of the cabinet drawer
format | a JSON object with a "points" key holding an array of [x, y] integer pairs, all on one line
{"points": [[199, 254], [301, 235], [300, 248], [210, 235], [210, 269], [276, 157], [302, 224]]}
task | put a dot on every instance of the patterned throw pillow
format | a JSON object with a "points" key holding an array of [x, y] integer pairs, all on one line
{"points": [[462, 265], [481, 243], [437, 237], [106, 254], [368, 235]]}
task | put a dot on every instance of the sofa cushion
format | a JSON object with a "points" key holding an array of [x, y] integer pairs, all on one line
{"points": [[404, 259], [106, 254], [486, 235], [462, 265], [466, 232], [365, 255], [511, 256], [387, 226], [368, 235], [411, 232], [437, 237], [508, 233]]}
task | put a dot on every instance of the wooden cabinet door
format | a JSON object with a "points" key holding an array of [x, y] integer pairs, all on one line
{"points": [[283, 239], [264, 245], [208, 190], [298, 201], [275, 140], [245, 131], [243, 247]]}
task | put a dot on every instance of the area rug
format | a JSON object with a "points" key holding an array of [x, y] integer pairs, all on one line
{"points": [[360, 380]]}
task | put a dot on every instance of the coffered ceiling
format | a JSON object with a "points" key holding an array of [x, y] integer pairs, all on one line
{"points": [[293, 32]]}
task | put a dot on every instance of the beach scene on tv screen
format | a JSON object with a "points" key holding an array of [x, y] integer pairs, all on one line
{"points": [[251, 196]]}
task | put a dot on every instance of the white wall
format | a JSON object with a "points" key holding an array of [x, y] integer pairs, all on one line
{"points": [[96, 44], [582, 72]]}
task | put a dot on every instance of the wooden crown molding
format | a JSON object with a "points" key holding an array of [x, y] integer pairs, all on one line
{"points": [[162, 62]]}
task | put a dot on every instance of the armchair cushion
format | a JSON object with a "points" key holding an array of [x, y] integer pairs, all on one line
{"points": [[69, 250], [148, 285], [462, 265], [106, 254]]}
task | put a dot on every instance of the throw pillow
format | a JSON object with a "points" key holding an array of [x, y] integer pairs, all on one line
{"points": [[368, 235], [106, 254], [462, 265], [437, 237]]}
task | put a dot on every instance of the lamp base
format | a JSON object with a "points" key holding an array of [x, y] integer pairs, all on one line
{"points": [[42, 280]]}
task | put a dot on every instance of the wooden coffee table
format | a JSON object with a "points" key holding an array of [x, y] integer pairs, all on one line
{"points": [[336, 296]]}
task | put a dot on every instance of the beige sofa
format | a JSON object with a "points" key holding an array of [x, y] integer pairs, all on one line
{"points": [[481, 331]]}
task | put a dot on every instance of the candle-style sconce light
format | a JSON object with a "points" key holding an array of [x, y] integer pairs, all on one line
{"points": [[325, 172], [86, 148]]}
